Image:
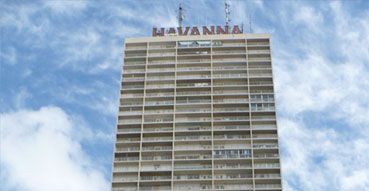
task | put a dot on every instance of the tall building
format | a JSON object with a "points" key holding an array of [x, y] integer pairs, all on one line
{"points": [[197, 113]]}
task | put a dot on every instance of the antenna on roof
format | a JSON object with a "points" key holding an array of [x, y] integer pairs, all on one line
{"points": [[250, 23], [227, 12], [180, 15]]}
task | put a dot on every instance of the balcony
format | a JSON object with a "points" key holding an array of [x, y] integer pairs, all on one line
{"points": [[132, 121], [130, 103], [157, 139], [160, 86], [231, 101], [135, 55], [129, 130], [166, 120], [151, 178], [233, 166], [117, 159], [269, 155], [130, 112], [126, 71], [193, 110], [158, 148], [193, 177], [132, 79], [265, 146], [270, 117], [258, 52], [124, 179], [230, 92], [180, 85], [264, 136], [267, 186], [160, 78], [192, 157], [194, 93], [237, 118], [127, 140], [128, 149], [192, 167], [232, 109], [159, 94], [156, 157], [184, 138], [230, 68], [228, 52], [232, 127], [157, 129], [162, 54], [230, 84], [192, 101], [267, 165], [267, 176], [129, 95], [193, 77], [261, 127], [157, 188], [193, 119], [194, 69], [133, 87], [231, 137], [159, 103], [193, 61], [232, 176], [161, 70], [229, 75], [168, 111]]}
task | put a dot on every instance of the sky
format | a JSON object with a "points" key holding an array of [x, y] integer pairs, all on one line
{"points": [[60, 68]]}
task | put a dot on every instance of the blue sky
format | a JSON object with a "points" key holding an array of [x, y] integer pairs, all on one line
{"points": [[60, 70]]}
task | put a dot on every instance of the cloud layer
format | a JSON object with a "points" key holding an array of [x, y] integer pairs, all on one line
{"points": [[41, 150]]}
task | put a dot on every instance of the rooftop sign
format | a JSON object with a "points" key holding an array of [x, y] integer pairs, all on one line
{"points": [[184, 31]]}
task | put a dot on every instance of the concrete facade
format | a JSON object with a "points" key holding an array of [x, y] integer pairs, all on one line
{"points": [[197, 113]]}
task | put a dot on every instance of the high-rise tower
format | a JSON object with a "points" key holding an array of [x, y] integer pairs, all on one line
{"points": [[197, 113]]}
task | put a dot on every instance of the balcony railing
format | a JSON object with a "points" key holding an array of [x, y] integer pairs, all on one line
{"points": [[194, 93], [192, 167], [231, 109], [192, 101], [157, 129], [132, 87], [194, 69], [132, 79], [126, 158], [166, 120], [157, 148], [230, 137], [238, 118], [181, 138], [264, 136], [271, 155], [267, 186], [267, 165], [129, 121], [158, 94], [267, 175], [156, 157], [234, 127], [231, 101], [193, 119], [193, 77], [160, 103], [128, 149], [148, 178], [123, 140], [157, 138], [265, 146], [190, 157], [230, 76], [133, 71]]}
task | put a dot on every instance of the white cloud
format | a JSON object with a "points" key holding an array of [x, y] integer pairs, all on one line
{"points": [[8, 55], [40, 150], [322, 158], [66, 7]]}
